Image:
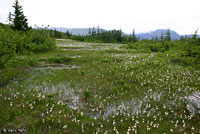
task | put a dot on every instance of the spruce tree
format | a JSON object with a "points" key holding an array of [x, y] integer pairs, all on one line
{"points": [[93, 31], [98, 31], [156, 38], [134, 36], [162, 36], [20, 21], [168, 35], [68, 34], [89, 32], [10, 19]]}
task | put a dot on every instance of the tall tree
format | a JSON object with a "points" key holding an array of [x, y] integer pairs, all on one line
{"points": [[89, 32], [162, 36], [156, 38], [168, 35], [98, 31], [93, 31], [20, 21], [10, 19], [134, 36], [68, 34]]}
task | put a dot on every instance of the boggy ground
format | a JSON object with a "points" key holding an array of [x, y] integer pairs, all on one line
{"points": [[97, 88]]}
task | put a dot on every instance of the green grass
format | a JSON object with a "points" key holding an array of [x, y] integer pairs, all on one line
{"points": [[105, 88]]}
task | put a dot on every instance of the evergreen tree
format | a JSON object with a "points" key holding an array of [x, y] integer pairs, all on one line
{"points": [[162, 36], [194, 37], [93, 31], [156, 38], [68, 34], [168, 35], [130, 38], [98, 31], [134, 36], [89, 32], [10, 19], [20, 21]]}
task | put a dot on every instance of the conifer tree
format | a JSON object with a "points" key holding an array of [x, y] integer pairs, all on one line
{"points": [[168, 35], [68, 34], [161, 36], [98, 31], [156, 38], [10, 19], [89, 32], [93, 31], [20, 21], [134, 36]]}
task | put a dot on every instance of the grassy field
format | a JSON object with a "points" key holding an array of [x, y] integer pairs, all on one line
{"points": [[97, 88]]}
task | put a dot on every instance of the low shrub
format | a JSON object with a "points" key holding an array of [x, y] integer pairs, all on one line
{"points": [[57, 59], [34, 40]]}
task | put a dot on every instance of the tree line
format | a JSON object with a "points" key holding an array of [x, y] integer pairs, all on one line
{"points": [[99, 35], [115, 36], [188, 47], [18, 37]]}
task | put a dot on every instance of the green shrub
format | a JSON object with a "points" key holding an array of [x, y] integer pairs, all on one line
{"points": [[40, 40], [130, 46], [54, 59], [193, 48], [149, 46], [34, 40], [86, 94], [66, 59], [178, 61], [7, 44]]}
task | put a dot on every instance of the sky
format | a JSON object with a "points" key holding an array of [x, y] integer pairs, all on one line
{"points": [[182, 16]]}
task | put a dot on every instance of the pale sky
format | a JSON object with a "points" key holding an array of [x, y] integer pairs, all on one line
{"points": [[183, 16]]}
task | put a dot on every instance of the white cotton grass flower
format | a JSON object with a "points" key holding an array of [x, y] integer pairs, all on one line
{"points": [[114, 122], [148, 128], [65, 126], [11, 104], [31, 106], [81, 113], [192, 128]]}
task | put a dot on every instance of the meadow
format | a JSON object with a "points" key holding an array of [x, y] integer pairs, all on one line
{"points": [[100, 88]]}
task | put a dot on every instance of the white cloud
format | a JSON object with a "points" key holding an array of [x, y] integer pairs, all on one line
{"points": [[143, 15]]}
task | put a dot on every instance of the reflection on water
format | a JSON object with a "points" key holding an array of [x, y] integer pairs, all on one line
{"points": [[59, 67]]}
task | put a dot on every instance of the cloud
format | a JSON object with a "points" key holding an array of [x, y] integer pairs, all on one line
{"points": [[143, 15]]}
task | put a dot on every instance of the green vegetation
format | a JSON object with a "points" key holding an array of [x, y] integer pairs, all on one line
{"points": [[113, 36], [18, 42], [101, 88]]}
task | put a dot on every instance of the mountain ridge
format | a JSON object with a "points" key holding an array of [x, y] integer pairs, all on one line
{"points": [[146, 35]]}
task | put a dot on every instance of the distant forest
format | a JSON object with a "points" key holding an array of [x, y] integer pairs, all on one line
{"points": [[18, 37]]}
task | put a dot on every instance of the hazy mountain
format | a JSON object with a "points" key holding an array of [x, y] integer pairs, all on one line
{"points": [[148, 35], [188, 36], [157, 33], [77, 31], [80, 31]]}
